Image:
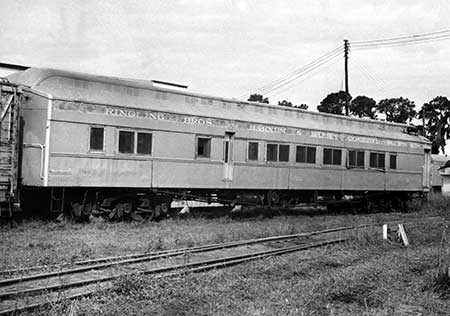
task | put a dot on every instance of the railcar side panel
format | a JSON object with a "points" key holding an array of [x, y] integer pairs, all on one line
{"points": [[261, 177], [187, 174], [34, 113], [68, 170], [404, 181], [315, 178], [363, 180]]}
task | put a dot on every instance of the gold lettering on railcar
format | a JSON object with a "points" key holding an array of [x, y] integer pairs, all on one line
{"points": [[267, 129], [228, 124], [324, 135]]}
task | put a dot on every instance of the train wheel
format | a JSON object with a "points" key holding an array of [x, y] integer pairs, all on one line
{"points": [[273, 198]]}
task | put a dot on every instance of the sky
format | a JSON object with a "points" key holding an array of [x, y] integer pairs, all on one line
{"points": [[230, 48]]}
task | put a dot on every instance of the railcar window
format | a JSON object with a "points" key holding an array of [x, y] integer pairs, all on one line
{"points": [[272, 152], [377, 160], [126, 142], [393, 161], [253, 151], [203, 147], [356, 158], [96, 139], [284, 153], [332, 156], [144, 143], [305, 154]]}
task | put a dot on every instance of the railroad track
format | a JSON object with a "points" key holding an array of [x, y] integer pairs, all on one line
{"points": [[85, 277]]}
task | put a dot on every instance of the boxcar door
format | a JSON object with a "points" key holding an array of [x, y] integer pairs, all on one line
{"points": [[228, 156]]}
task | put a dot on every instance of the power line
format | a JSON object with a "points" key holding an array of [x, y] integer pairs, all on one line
{"points": [[414, 36], [306, 71], [298, 72], [403, 42], [319, 70]]}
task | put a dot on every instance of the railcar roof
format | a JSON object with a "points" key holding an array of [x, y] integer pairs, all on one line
{"points": [[56, 83]]}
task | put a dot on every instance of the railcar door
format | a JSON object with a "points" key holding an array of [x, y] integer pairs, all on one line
{"points": [[427, 170], [228, 156]]}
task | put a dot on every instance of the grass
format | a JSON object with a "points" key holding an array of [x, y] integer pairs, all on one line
{"points": [[364, 276]]}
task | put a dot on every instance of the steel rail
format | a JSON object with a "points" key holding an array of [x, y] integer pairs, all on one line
{"points": [[117, 260], [196, 266], [190, 268], [170, 253]]}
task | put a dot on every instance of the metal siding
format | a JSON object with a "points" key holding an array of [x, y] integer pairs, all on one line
{"points": [[173, 145], [135, 93], [69, 138], [67, 170], [363, 180], [174, 142], [188, 174], [34, 113], [397, 181], [261, 177]]}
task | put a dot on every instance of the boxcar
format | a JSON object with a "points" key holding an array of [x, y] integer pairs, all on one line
{"points": [[85, 136]]}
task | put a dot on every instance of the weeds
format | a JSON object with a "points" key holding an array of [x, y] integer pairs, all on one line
{"points": [[364, 276]]}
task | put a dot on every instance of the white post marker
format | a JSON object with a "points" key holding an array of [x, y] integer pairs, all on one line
{"points": [[385, 231], [402, 233]]}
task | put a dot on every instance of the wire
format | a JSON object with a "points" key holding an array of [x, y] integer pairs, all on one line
{"points": [[287, 78], [282, 84], [415, 36], [379, 83], [403, 42], [271, 94], [304, 74]]}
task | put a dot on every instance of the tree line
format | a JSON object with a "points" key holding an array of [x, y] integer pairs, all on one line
{"points": [[434, 114]]}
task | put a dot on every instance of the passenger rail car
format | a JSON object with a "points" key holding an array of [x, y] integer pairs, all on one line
{"points": [[77, 137]]}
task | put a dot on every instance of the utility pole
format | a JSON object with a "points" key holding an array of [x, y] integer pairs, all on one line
{"points": [[346, 46]]}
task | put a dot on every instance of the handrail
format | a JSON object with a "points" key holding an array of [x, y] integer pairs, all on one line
{"points": [[41, 147]]}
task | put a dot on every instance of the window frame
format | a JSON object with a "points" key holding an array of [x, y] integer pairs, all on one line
{"points": [[267, 153], [278, 153], [390, 161], [151, 142], [135, 142], [118, 141], [209, 138], [357, 152], [378, 153], [288, 153], [333, 149], [103, 140], [257, 150], [306, 147]]}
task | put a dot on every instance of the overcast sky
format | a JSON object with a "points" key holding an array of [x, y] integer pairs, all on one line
{"points": [[231, 47]]}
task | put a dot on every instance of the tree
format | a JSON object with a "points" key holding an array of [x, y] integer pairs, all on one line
{"points": [[398, 110], [363, 106], [289, 104], [258, 98], [435, 115], [285, 103], [333, 103]]}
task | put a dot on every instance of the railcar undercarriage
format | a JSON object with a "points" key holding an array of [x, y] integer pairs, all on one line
{"points": [[83, 204]]}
